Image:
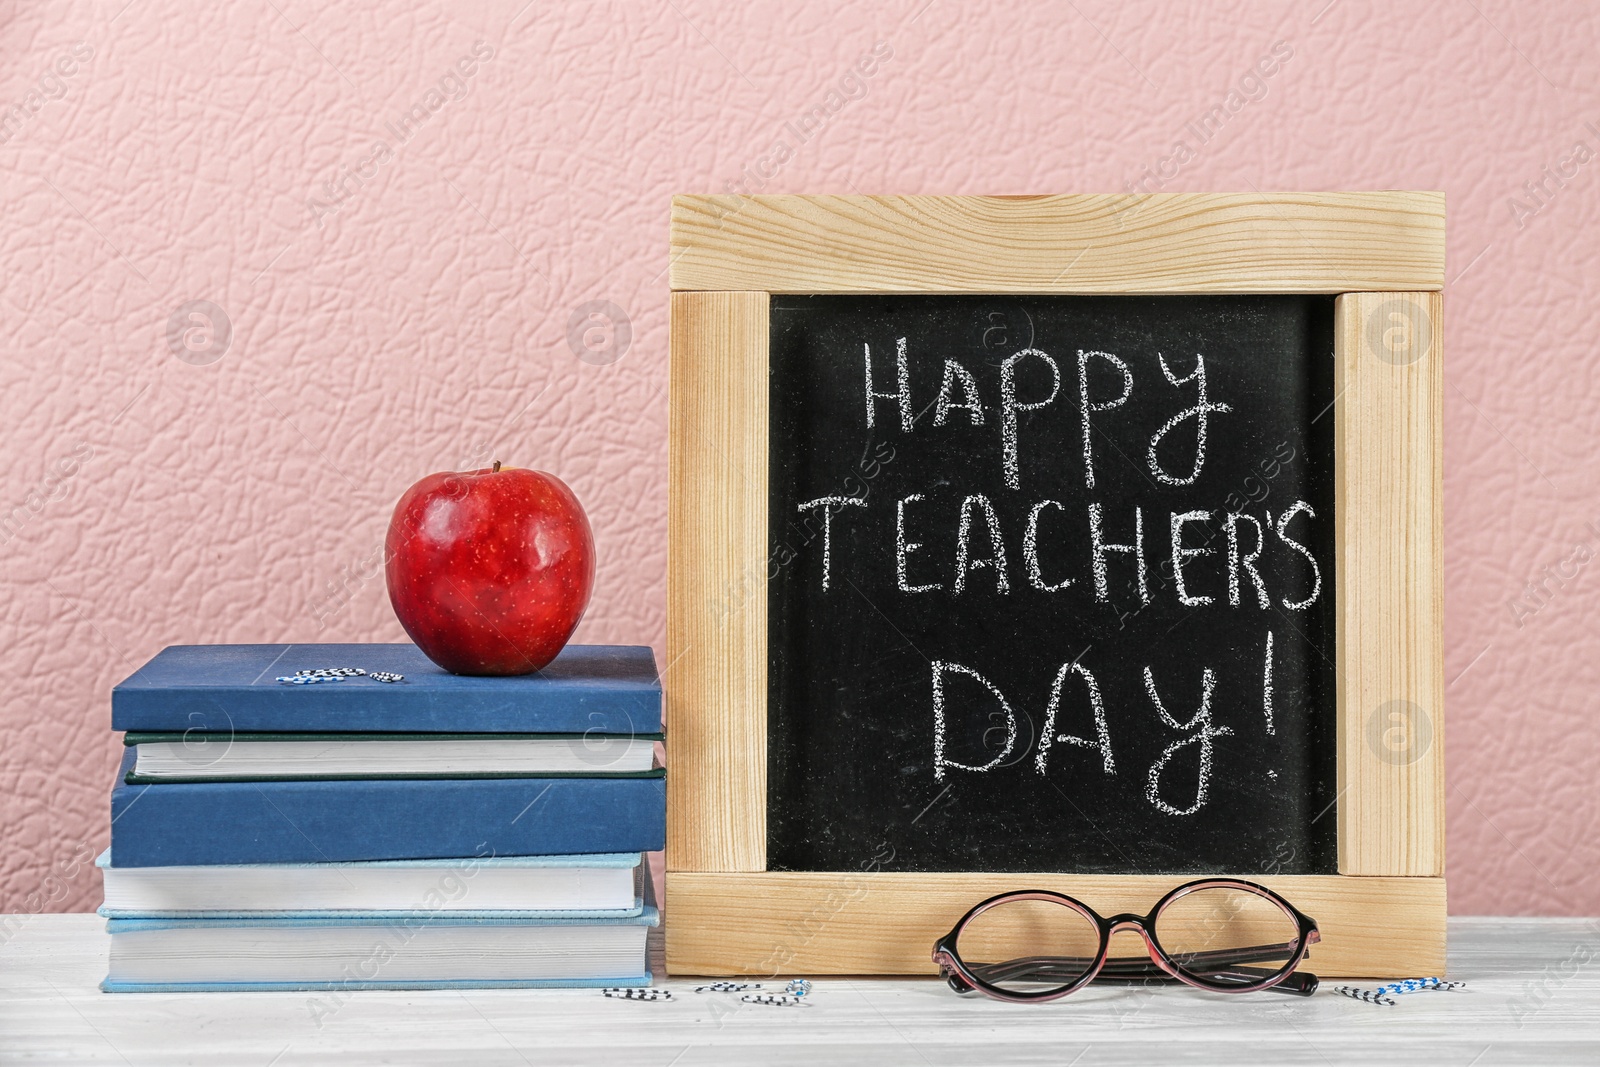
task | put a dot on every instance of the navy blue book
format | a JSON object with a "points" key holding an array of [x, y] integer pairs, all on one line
{"points": [[603, 689], [204, 823]]}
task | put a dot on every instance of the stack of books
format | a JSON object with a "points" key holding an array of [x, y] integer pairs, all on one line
{"points": [[341, 817]]}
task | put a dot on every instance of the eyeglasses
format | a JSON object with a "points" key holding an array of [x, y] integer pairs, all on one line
{"points": [[1222, 934]]}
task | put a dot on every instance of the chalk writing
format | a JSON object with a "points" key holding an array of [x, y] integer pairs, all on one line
{"points": [[1200, 732], [1180, 509]]}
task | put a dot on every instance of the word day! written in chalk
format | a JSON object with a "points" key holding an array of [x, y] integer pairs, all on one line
{"points": [[1200, 555]]}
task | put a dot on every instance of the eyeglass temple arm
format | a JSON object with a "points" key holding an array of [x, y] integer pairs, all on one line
{"points": [[1296, 983], [1221, 964], [1224, 957], [1221, 957]]}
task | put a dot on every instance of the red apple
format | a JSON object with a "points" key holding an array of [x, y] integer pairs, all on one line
{"points": [[490, 571]]}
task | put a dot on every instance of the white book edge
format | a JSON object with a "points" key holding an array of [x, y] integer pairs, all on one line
{"points": [[592, 754], [472, 886], [211, 952]]}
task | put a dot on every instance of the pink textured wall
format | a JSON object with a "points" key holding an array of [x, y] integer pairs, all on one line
{"points": [[405, 309]]}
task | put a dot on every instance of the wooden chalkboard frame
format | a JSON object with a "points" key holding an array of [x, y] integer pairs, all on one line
{"points": [[1381, 252]]}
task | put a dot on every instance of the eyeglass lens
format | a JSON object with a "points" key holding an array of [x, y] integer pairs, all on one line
{"points": [[1029, 947], [1227, 935]]}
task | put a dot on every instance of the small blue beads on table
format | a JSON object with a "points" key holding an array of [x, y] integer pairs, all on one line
{"points": [[794, 992], [1386, 993]]}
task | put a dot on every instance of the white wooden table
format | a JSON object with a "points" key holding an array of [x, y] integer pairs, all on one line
{"points": [[51, 1011]]}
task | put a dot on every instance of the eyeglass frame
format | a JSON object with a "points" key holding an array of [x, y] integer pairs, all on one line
{"points": [[1133, 969]]}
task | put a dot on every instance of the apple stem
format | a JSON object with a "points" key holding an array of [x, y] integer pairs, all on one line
{"points": [[496, 469]]}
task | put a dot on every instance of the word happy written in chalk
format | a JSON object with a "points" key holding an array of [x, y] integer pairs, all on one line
{"points": [[1215, 552]]}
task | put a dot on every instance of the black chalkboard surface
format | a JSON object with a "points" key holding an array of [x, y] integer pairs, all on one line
{"points": [[1051, 584]]}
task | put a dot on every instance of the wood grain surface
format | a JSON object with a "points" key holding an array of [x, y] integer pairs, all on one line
{"points": [[1388, 467], [1160, 243], [886, 922], [715, 676], [1532, 997]]}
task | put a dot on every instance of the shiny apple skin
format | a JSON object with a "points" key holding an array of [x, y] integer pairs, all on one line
{"points": [[490, 571]]}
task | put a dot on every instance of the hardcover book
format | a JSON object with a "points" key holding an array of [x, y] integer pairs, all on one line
{"points": [[205, 823], [222, 689], [479, 886], [427, 952]]}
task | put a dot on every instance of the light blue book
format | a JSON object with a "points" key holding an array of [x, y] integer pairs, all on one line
{"points": [[485, 887], [373, 952]]}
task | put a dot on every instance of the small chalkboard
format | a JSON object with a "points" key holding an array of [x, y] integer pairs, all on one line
{"points": [[1076, 543], [1052, 583]]}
